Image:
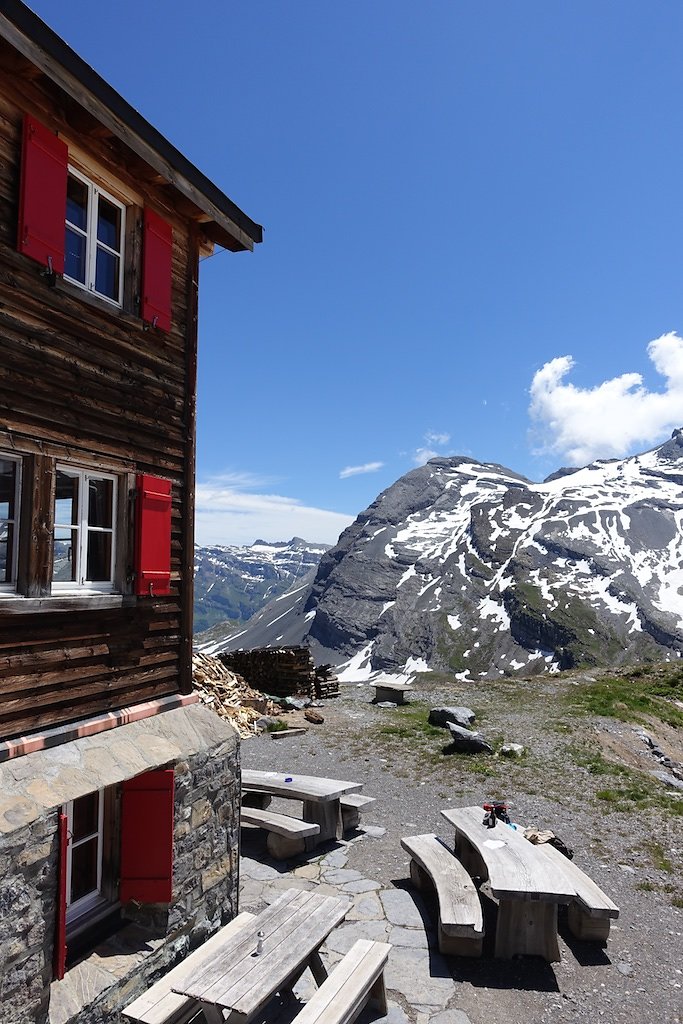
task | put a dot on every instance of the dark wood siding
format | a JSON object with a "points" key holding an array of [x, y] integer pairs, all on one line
{"points": [[84, 383]]}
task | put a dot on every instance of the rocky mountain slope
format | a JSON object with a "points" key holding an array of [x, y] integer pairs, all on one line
{"points": [[232, 583], [472, 569]]}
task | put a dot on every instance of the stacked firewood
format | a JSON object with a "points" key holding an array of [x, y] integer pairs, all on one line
{"points": [[326, 683], [229, 695], [281, 671]]}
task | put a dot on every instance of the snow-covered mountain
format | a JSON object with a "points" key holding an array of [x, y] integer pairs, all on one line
{"points": [[231, 583], [472, 569]]}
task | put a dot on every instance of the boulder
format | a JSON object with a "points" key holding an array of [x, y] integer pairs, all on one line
{"points": [[457, 715], [466, 741]]}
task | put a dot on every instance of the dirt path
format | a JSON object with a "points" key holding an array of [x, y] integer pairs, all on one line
{"points": [[583, 778]]}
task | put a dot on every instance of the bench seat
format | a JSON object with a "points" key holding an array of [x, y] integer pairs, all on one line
{"points": [[357, 980], [391, 692], [351, 806], [159, 1005], [461, 922], [286, 835], [590, 912]]}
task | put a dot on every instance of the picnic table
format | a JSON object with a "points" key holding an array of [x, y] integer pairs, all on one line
{"points": [[320, 797], [527, 884], [237, 982]]}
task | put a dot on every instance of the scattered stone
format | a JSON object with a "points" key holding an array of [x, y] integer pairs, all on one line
{"points": [[336, 859], [386, 704], [457, 715], [624, 968], [669, 780], [511, 750], [313, 716], [374, 831], [466, 741], [265, 721]]}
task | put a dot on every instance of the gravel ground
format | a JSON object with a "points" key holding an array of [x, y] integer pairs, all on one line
{"points": [[633, 851]]}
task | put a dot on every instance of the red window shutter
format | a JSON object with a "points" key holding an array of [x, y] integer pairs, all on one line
{"points": [[157, 266], [42, 198], [153, 555], [59, 957], [147, 838]]}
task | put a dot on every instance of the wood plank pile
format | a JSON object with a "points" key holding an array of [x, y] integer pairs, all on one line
{"points": [[229, 695], [281, 671], [325, 683]]}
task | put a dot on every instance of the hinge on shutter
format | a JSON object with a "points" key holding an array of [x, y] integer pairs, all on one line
{"points": [[49, 273]]}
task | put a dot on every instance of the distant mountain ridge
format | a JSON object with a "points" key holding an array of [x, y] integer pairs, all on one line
{"points": [[471, 568], [232, 583]]}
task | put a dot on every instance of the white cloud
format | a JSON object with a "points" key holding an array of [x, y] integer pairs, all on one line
{"points": [[612, 418], [432, 437], [368, 467], [227, 512], [422, 455]]}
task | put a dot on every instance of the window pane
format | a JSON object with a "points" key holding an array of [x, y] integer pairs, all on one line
{"points": [[74, 256], [107, 274], [5, 562], [64, 555], [85, 816], [77, 203], [84, 869], [109, 224], [98, 569], [66, 499], [100, 503], [8, 479]]}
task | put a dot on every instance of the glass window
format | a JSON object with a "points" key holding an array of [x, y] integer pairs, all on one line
{"points": [[83, 549], [95, 224], [85, 821], [9, 500]]}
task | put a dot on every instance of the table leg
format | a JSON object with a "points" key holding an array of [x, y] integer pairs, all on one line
{"points": [[212, 1014], [318, 969], [326, 814], [527, 927]]}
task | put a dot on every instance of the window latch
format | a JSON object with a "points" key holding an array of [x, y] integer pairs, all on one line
{"points": [[49, 273]]}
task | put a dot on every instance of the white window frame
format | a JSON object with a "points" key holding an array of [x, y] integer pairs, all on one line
{"points": [[11, 586], [92, 243], [91, 900], [81, 584]]}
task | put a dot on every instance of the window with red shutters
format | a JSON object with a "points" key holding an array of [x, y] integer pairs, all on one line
{"points": [[147, 838], [153, 537], [157, 257], [42, 199]]}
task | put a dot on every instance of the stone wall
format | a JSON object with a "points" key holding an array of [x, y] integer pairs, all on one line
{"points": [[205, 888], [28, 884]]}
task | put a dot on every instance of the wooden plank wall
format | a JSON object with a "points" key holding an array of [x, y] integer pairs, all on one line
{"points": [[86, 384]]}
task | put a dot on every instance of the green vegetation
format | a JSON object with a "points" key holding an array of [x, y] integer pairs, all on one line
{"points": [[571, 629], [634, 695], [630, 790], [276, 726], [659, 857]]}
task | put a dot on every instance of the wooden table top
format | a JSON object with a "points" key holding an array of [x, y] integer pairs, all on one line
{"points": [[293, 927], [301, 787], [516, 868]]}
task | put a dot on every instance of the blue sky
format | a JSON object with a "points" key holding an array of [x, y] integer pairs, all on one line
{"points": [[473, 221]]}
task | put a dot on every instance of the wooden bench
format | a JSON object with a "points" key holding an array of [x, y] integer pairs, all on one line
{"points": [[357, 980], [351, 806], [159, 1005], [590, 912], [391, 692], [460, 922], [286, 835]]}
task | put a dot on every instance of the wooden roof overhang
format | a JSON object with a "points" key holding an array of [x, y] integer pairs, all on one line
{"points": [[220, 220]]}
